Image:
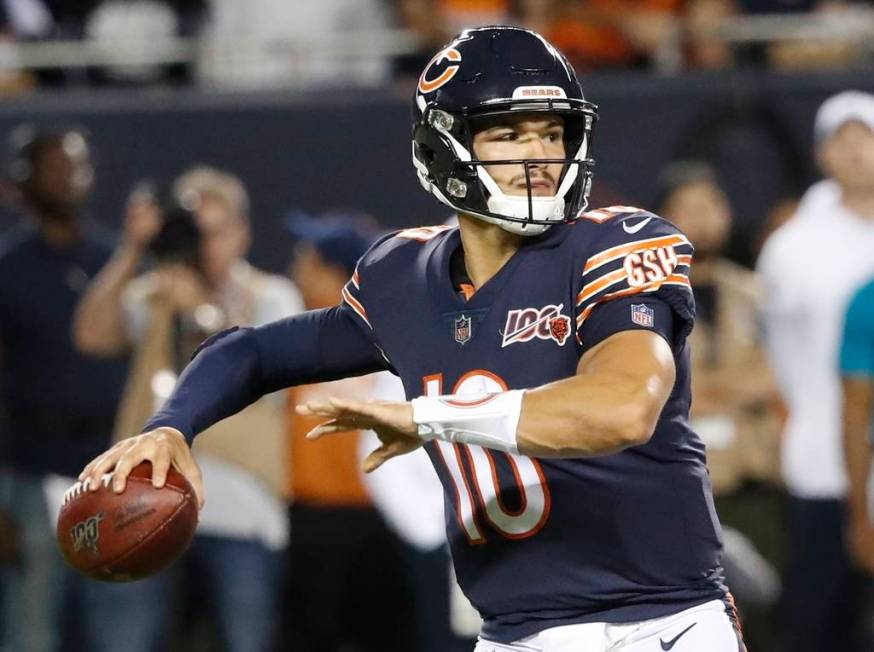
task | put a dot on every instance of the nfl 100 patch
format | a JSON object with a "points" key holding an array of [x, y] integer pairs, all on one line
{"points": [[642, 315], [526, 324]]}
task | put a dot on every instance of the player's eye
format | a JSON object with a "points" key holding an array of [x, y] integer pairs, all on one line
{"points": [[507, 136]]}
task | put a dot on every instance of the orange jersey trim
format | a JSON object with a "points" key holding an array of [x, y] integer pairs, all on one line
{"points": [[673, 279], [677, 279], [605, 281], [618, 251], [422, 233], [356, 306], [601, 215], [614, 277]]}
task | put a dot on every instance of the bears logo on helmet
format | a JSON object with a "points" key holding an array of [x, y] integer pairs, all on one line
{"points": [[430, 85]]}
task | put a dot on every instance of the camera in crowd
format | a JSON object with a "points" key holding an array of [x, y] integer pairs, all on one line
{"points": [[179, 240]]}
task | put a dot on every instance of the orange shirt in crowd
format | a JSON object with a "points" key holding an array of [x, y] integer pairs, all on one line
{"points": [[459, 14], [325, 473], [590, 33]]}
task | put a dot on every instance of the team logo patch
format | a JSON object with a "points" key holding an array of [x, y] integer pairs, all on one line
{"points": [[560, 328], [429, 85], [86, 534], [462, 330], [546, 323], [642, 316]]}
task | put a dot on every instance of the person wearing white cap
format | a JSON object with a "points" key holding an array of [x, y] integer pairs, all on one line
{"points": [[810, 267]]}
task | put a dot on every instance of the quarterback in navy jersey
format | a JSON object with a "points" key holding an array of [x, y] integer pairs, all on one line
{"points": [[543, 352]]}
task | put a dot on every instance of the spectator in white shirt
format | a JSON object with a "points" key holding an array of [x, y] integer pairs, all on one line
{"points": [[201, 285], [809, 268]]}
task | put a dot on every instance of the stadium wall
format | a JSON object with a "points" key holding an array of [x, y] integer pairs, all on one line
{"points": [[352, 150]]}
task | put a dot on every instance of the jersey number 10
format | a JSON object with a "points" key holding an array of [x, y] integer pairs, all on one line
{"points": [[478, 485]]}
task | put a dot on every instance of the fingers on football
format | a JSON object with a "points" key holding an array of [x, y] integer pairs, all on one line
{"points": [[186, 465], [160, 466], [171, 448], [86, 472], [100, 466], [125, 464]]}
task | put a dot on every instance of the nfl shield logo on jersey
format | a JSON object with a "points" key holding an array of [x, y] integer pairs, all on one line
{"points": [[462, 329], [642, 316]]}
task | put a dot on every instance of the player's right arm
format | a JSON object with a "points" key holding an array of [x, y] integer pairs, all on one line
{"points": [[232, 370]]}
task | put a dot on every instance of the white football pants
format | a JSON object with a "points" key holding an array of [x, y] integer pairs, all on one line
{"points": [[705, 628]]}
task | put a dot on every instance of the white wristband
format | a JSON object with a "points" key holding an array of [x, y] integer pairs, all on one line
{"points": [[488, 420]]}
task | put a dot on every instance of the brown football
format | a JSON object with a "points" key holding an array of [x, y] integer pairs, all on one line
{"points": [[128, 536]]}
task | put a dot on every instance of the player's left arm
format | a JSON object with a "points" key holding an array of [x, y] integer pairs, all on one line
{"points": [[635, 306], [613, 402]]}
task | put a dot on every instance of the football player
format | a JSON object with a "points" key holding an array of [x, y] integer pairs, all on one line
{"points": [[543, 350]]}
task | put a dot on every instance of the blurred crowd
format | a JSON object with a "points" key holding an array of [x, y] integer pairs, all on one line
{"points": [[269, 44], [95, 329], [296, 549]]}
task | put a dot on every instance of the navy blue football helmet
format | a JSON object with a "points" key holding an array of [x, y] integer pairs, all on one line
{"points": [[484, 73]]}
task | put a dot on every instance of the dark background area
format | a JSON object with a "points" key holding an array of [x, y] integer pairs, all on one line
{"points": [[351, 150]]}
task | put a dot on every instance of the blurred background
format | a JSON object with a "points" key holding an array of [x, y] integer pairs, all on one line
{"points": [[173, 167]]}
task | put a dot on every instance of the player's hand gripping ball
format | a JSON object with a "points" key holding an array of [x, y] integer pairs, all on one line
{"points": [[128, 536]]}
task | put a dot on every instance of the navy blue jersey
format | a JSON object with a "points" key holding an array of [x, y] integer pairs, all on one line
{"points": [[536, 543], [540, 543]]}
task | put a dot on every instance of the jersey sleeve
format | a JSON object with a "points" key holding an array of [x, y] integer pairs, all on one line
{"points": [[236, 367], [355, 295], [636, 276], [857, 343], [390, 255], [233, 369]]}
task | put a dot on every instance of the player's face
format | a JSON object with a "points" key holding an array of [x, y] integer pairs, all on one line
{"points": [[527, 136], [224, 238], [848, 156]]}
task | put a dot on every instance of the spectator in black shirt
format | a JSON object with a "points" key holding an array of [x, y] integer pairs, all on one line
{"points": [[59, 404]]}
